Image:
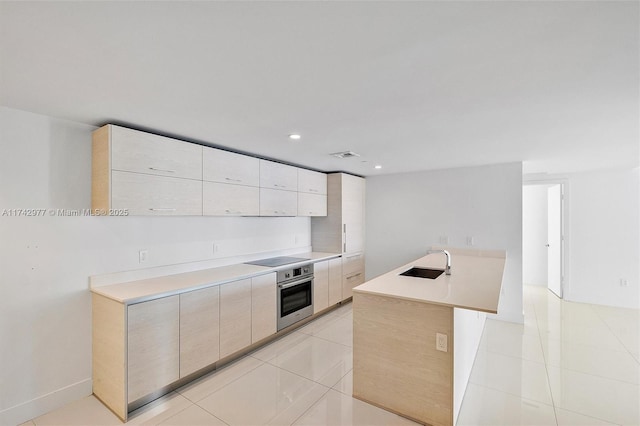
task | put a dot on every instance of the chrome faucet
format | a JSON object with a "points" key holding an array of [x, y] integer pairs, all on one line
{"points": [[447, 268]]}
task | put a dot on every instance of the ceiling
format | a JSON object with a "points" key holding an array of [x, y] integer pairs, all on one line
{"points": [[408, 85]]}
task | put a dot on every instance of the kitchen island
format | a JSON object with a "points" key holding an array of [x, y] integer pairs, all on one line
{"points": [[415, 339]]}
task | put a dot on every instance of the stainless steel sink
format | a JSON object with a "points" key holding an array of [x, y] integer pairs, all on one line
{"points": [[423, 273]]}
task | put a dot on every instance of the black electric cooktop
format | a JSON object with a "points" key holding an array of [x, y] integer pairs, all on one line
{"points": [[276, 261]]}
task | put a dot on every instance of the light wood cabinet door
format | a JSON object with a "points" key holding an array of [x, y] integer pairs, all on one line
{"points": [[335, 281], [353, 202], [141, 152], [228, 167], [221, 199], [153, 346], [235, 316], [312, 182], [150, 195], [320, 286], [274, 202], [312, 204], [199, 329], [263, 307], [278, 176]]}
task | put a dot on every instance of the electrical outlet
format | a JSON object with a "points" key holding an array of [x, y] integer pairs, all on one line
{"points": [[470, 241], [624, 282], [216, 248], [143, 255], [441, 342], [444, 239]]}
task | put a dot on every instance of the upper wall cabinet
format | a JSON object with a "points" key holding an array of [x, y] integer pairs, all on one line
{"points": [[135, 151], [312, 182], [139, 173], [145, 174], [229, 167], [278, 176]]}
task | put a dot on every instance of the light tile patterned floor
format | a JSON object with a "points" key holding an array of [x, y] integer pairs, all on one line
{"points": [[569, 364]]}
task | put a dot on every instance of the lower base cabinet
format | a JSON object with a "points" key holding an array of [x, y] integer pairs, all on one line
{"points": [[327, 284], [264, 308], [153, 341], [199, 329], [335, 281], [235, 316]]}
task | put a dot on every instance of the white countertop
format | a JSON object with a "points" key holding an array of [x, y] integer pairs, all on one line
{"points": [[475, 281], [152, 288]]}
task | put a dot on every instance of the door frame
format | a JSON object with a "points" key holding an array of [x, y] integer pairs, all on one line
{"points": [[565, 283]]}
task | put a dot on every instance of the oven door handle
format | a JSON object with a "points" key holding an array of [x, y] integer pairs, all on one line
{"points": [[293, 284]]}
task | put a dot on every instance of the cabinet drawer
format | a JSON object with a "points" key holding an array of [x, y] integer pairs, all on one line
{"points": [[229, 167], [312, 182], [349, 281], [221, 199], [274, 202], [278, 176], [352, 263], [312, 204], [136, 151], [155, 195]]}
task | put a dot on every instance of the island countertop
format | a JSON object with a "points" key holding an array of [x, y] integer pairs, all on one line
{"points": [[475, 281]]}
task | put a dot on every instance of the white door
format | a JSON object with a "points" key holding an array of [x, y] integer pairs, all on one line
{"points": [[554, 239]]}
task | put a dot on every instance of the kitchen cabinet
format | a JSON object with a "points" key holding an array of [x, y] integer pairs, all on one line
{"points": [[153, 346], [312, 182], [263, 307], [342, 230], [312, 204], [228, 167], [199, 329], [221, 199], [320, 286], [144, 174], [235, 316], [141, 152], [275, 202], [335, 281], [142, 194], [278, 176]]}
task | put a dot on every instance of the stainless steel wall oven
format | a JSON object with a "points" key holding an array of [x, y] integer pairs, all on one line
{"points": [[295, 295]]}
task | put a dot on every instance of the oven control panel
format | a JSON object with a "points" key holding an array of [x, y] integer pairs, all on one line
{"points": [[289, 274]]}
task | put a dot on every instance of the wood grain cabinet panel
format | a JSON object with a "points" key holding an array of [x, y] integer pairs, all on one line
{"points": [[150, 195], [221, 199], [335, 281], [312, 204], [320, 286], [263, 307], [141, 152], [199, 329], [312, 182], [153, 346], [235, 316], [274, 202], [228, 167], [278, 176]]}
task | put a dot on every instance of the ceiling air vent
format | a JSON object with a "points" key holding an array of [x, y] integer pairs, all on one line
{"points": [[345, 154]]}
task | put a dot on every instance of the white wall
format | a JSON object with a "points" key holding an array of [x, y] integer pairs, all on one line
{"points": [[534, 234], [604, 225], [45, 262], [408, 212]]}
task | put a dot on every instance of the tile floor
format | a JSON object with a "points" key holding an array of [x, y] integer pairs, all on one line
{"points": [[569, 364]]}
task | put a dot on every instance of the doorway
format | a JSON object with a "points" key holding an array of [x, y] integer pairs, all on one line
{"points": [[543, 239]]}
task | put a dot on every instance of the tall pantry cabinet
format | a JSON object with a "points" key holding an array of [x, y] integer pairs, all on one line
{"points": [[342, 230]]}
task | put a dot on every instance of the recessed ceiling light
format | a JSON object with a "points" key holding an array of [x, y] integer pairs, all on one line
{"points": [[377, 166], [295, 137]]}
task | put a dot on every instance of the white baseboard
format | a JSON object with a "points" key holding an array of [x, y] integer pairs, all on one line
{"points": [[43, 404]]}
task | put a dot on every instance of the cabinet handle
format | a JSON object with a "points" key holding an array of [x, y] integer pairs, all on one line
{"points": [[161, 210], [232, 212], [313, 190], [162, 170], [279, 186], [355, 275], [232, 180], [351, 257]]}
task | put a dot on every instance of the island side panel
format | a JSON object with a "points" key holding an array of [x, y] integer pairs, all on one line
{"points": [[109, 354], [395, 362]]}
